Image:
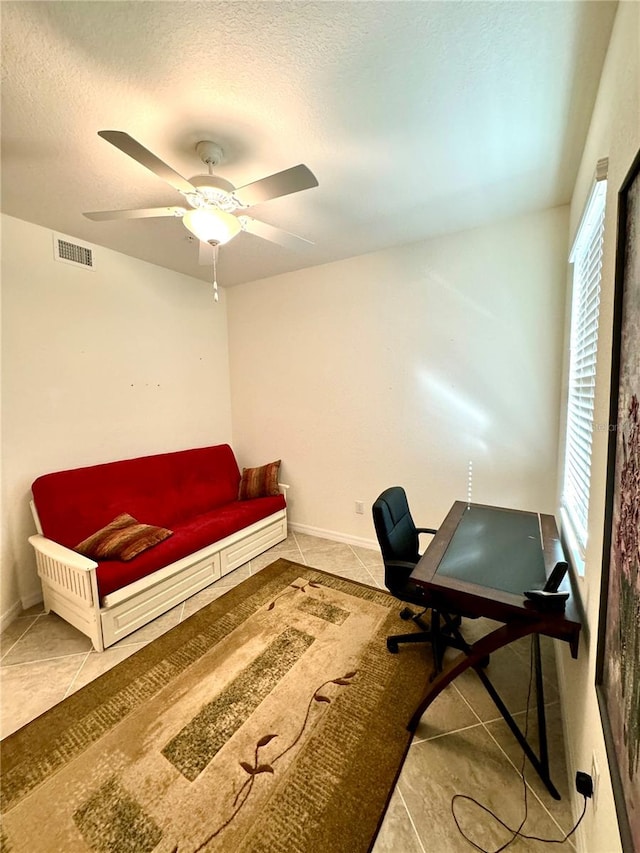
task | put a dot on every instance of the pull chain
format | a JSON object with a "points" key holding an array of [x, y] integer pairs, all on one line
{"points": [[216, 298]]}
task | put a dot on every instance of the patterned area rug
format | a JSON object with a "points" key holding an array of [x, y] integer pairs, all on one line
{"points": [[272, 720]]}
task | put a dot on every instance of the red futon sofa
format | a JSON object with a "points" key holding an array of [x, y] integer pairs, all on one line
{"points": [[186, 501]]}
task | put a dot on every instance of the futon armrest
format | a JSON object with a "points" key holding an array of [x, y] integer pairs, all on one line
{"points": [[426, 530], [49, 548]]}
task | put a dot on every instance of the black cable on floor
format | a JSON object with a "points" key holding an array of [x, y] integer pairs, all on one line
{"points": [[515, 833]]}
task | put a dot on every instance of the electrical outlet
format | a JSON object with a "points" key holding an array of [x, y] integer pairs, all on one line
{"points": [[595, 775], [584, 784], [360, 507]]}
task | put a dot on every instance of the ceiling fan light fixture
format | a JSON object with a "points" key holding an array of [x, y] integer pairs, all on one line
{"points": [[212, 226], [212, 191]]}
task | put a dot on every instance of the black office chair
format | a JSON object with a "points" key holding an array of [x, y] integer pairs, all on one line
{"points": [[398, 538]]}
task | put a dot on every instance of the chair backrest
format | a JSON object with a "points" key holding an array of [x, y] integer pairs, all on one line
{"points": [[396, 532]]}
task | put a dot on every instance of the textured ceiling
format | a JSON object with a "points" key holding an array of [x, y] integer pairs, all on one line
{"points": [[417, 118]]}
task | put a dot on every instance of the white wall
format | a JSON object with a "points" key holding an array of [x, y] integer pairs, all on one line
{"points": [[614, 133], [400, 366], [127, 360]]}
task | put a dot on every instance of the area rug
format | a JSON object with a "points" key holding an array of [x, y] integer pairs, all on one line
{"points": [[272, 720]]}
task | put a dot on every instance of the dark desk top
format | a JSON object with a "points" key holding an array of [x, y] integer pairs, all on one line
{"points": [[484, 544], [483, 558]]}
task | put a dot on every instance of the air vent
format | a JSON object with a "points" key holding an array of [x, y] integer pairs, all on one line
{"points": [[76, 253]]}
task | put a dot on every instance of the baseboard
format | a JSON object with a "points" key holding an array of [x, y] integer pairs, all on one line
{"points": [[17, 607], [569, 756], [31, 599], [360, 542], [9, 615]]}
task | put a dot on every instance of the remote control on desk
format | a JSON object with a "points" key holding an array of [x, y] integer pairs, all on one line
{"points": [[555, 578], [547, 600]]}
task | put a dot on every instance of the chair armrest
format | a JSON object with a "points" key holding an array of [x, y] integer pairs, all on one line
{"points": [[49, 548], [426, 530], [402, 587], [283, 488], [399, 564]]}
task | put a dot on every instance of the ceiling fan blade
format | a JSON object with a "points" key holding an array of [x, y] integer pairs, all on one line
{"points": [[128, 145], [275, 235], [282, 183], [142, 213], [205, 258]]}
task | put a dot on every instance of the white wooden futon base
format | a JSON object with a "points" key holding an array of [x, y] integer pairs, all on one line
{"points": [[70, 586]]}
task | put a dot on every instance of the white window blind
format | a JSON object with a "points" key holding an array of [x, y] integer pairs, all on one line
{"points": [[586, 257]]}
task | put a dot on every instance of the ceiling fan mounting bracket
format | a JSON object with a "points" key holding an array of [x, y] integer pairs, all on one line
{"points": [[209, 152]]}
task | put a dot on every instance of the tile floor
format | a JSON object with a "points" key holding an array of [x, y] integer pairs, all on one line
{"points": [[462, 745]]}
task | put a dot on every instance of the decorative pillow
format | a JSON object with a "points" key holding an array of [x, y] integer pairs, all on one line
{"points": [[123, 539], [259, 482]]}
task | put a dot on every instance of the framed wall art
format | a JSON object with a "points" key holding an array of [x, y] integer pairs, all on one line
{"points": [[618, 658]]}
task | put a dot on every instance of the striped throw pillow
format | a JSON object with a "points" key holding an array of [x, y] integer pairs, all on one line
{"points": [[259, 482], [123, 539]]}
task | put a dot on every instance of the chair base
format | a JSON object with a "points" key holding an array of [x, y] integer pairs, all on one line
{"points": [[441, 636], [407, 613], [415, 637]]}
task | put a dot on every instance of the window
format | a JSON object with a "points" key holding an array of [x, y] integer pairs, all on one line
{"points": [[586, 257]]}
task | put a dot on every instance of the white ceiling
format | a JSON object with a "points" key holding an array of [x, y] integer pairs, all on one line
{"points": [[417, 118]]}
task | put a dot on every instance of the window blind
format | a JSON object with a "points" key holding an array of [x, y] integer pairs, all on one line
{"points": [[586, 257]]}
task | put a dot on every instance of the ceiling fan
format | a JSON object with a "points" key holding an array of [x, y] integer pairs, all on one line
{"points": [[215, 207]]}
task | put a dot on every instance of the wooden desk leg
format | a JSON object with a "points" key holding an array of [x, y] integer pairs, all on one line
{"points": [[477, 652], [540, 764]]}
